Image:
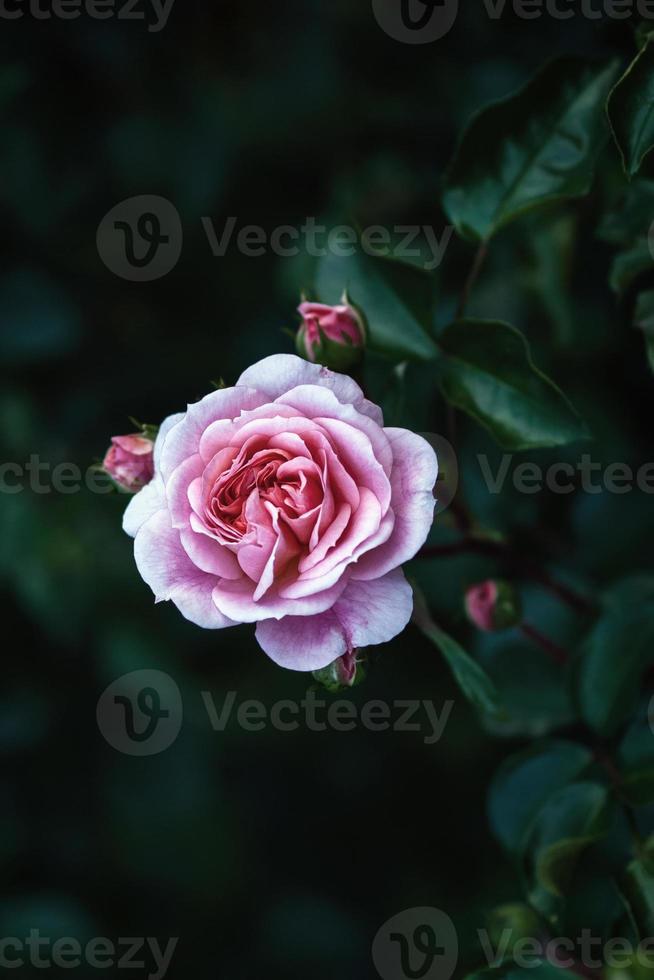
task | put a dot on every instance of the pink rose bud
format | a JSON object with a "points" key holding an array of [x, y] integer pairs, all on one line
{"points": [[129, 461], [493, 606], [347, 671], [331, 335]]}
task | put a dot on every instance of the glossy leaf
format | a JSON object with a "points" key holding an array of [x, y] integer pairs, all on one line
{"points": [[532, 148], [630, 109], [489, 373], [395, 297], [615, 654], [474, 682], [572, 819], [525, 782]]}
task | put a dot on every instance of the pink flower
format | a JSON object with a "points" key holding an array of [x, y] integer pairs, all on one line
{"points": [[493, 606], [129, 461], [332, 335], [284, 502]]}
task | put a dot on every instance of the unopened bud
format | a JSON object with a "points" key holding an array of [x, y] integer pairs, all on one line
{"points": [[493, 606], [129, 461], [331, 335]]}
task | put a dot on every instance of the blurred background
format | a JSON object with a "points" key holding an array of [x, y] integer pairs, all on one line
{"points": [[270, 853]]}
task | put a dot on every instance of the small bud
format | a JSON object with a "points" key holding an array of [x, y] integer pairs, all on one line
{"points": [[347, 671], [331, 335], [129, 461], [493, 605]]}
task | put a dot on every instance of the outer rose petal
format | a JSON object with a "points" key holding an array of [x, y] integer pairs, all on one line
{"points": [[413, 479], [164, 429], [367, 613], [167, 569], [279, 373], [183, 440], [143, 505]]}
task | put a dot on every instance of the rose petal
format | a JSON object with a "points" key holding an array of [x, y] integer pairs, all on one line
{"points": [[143, 505], [164, 429], [413, 480], [167, 569], [366, 614], [183, 439], [319, 403], [236, 600], [302, 642], [209, 555], [279, 373]]}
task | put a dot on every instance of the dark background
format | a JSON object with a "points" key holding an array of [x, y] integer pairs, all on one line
{"points": [[268, 854]]}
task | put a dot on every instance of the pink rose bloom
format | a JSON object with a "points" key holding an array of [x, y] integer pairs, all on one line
{"points": [[340, 325], [285, 502], [129, 461]]}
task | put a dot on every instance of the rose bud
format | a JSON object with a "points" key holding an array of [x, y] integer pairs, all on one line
{"points": [[331, 335], [345, 672], [129, 461], [493, 605]]}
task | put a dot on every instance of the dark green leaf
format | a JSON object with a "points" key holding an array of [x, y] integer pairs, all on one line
{"points": [[534, 147], [474, 682], [572, 819], [615, 654], [395, 298], [525, 782], [635, 760], [629, 219], [629, 265], [488, 372], [630, 109]]}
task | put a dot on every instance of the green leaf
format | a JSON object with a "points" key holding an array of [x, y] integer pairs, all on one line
{"points": [[474, 682], [572, 819], [525, 782], [638, 885], [629, 265], [629, 219], [630, 109], [644, 320], [635, 760], [532, 148], [615, 654], [395, 298], [488, 372]]}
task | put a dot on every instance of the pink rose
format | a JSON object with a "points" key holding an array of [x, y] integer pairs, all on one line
{"points": [[129, 461], [493, 606], [284, 502], [332, 335]]}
